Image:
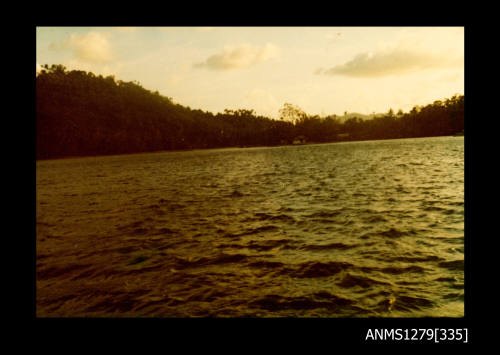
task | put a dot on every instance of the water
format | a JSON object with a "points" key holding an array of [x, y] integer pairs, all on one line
{"points": [[352, 229]]}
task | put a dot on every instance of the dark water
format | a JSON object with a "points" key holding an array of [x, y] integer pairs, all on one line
{"points": [[355, 229]]}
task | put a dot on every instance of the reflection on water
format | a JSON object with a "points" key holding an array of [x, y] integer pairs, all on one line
{"points": [[354, 229]]}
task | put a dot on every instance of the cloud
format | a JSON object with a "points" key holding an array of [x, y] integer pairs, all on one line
{"points": [[92, 47], [240, 57], [395, 61]]}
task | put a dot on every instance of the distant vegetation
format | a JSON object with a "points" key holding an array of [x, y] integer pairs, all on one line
{"points": [[81, 114]]}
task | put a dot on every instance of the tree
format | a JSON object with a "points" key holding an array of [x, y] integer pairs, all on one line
{"points": [[291, 113], [79, 113]]}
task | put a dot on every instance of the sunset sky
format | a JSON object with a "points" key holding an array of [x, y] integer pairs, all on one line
{"points": [[323, 70]]}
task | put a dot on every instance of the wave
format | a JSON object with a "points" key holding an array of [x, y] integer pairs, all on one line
{"points": [[124, 302], [236, 194], [58, 272], [455, 295], [237, 234], [262, 264], [258, 230], [273, 302], [261, 216], [266, 245], [413, 259], [455, 265], [392, 233], [375, 219], [324, 214], [411, 303], [350, 281], [339, 246], [313, 269], [402, 270], [221, 258]]}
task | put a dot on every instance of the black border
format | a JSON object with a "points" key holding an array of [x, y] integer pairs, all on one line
{"points": [[281, 333]]}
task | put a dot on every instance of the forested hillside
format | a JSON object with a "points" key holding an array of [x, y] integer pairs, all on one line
{"points": [[80, 114]]}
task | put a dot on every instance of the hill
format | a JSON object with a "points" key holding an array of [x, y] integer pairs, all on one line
{"points": [[81, 114]]}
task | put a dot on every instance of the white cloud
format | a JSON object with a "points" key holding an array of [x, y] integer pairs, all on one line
{"points": [[393, 61], [412, 51], [92, 47], [240, 57]]}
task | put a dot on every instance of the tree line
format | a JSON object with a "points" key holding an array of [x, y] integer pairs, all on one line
{"points": [[81, 114]]}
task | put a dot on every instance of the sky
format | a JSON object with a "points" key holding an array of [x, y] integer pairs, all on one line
{"points": [[323, 70]]}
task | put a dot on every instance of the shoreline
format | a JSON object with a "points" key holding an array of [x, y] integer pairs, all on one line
{"points": [[460, 134]]}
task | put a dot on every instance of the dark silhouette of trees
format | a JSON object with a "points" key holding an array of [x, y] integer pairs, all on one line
{"points": [[79, 113]]}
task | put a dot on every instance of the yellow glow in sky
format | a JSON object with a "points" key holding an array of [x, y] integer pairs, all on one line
{"points": [[324, 70]]}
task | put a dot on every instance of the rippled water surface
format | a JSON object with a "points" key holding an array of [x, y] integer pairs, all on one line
{"points": [[354, 229]]}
